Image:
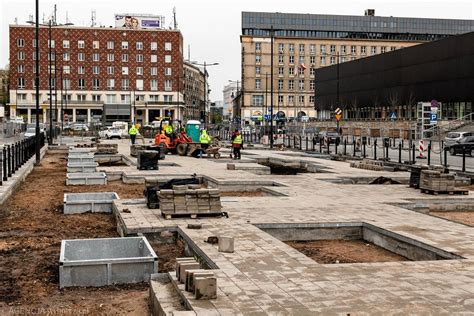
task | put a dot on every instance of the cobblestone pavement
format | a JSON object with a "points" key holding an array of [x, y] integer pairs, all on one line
{"points": [[266, 276]]}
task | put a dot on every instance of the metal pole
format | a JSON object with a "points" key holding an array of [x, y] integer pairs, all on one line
{"points": [[271, 87], [337, 90], [62, 109], [55, 91], [203, 114], [37, 129], [463, 158], [50, 136]]}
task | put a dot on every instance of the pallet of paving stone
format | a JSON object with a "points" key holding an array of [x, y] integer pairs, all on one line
{"points": [[174, 215], [107, 149], [452, 192], [84, 145]]}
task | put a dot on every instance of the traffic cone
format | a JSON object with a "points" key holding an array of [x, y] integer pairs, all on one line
{"points": [[421, 149]]}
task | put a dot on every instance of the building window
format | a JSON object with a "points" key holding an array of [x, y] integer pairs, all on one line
{"points": [[21, 83], [281, 48], [168, 85], [312, 60], [154, 58], [373, 50], [95, 70], [363, 50], [291, 48], [343, 59], [81, 97], [281, 59], [258, 84], [110, 84], [343, 49], [20, 42], [65, 44], [154, 97], [21, 68], [81, 70], [95, 84], [110, 57], [154, 46], [81, 44], [124, 58], [291, 85], [110, 45], [281, 71], [301, 48], [258, 59], [322, 49], [167, 98], [311, 85], [291, 71], [353, 50], [167, 46], [383, 49], [323, 61], [332, 60], [312, 71], [258, 47], [125, 98], [257, 100], [139, 58], [301, 99], [67, 84], [167, 71], [301, 59], [51, 44], [311, 99], [139, 45], [332, 49], [392, 48], [292, 59], [124, 45], [291, 100], [139, 87], [280, 99], [34, 43], [125, 84], [21, 56], [124, 70], [111, 98], [34, 55], [96, 97], [154, 71], [301, 85], [110, 70], [95, 57], [81, 57], [280, 84], [140, 71], [66, 69], [21, 96], [258, 70], [167, 59], [312, 49], [66, 57], [153, 85], [95, 45]]}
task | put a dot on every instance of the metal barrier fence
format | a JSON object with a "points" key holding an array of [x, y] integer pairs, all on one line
{"points": [[13, 156], [10, 129]]}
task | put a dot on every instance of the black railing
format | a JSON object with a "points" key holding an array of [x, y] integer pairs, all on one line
{"points": [[14, 156]]}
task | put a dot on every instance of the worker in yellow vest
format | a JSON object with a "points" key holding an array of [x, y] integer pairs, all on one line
{"points": [[204, 139], [133, 131], [237, 144]]}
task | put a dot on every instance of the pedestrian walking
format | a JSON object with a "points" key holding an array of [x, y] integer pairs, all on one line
{"points": [[237, 144], [133, 131]]}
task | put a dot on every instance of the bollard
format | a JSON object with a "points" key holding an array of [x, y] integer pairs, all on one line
{"points": [[375, 149], [386, 150], [445, 158], [354, 146], [400, 145], [301, 143], [429, 153], [321, 146], [313, 141], [9, 161], [345, 147], [5, 169], [1, 167], [306, 143], [294, 141], [463, 158], [364, 144], [336, 143], [413, 153]]}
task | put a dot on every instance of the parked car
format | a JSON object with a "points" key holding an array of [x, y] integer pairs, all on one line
{"points": [[111, 132], [331, 136], [457, 148], [454, 137], [79, 127], [30, 132]]}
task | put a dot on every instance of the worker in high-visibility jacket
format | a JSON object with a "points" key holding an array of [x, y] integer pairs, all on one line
{"points": [[169, 131], [133, 131], [204, 139], [237, 144]]}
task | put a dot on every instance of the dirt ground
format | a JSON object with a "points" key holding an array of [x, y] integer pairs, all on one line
{"points": [[344, 251], [460, 217], [31, 230]]}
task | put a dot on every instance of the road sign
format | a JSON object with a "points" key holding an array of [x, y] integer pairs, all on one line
{"points": [[267, 117], [338, 111], [434, 104], [393, 116], [338, 117], [434, 118]]}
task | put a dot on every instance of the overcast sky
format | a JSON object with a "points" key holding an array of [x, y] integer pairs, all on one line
{"points": [[212, 27]]}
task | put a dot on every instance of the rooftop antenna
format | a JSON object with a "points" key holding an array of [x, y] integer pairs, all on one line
{"points": [[93, 19], [55, 15], [175, 21]]}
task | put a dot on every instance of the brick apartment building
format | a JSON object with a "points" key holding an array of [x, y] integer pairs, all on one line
{"points": [[99, 74]]}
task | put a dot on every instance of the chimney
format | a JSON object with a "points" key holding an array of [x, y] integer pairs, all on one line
{"points": [[370, 12]]}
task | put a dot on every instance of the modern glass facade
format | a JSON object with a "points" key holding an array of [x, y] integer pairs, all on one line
{"points": [[351, 27]]}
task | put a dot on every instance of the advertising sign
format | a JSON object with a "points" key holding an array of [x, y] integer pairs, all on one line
{"points": [[139, 21]]}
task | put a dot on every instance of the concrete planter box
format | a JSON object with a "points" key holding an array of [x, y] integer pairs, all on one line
{"points": [[83, 166], [101, 202], [106, 261], [80, 150], [80, 158], [85, 178]]}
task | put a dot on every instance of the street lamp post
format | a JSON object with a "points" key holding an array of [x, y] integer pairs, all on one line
{"points": [[237, 115], [37, 129], [272, 36], [205, 83], [50, 137]]}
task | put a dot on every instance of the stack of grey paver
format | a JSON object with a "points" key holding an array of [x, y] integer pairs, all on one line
{"points": [[107, 149], [368, 165], [202, 283], [189, 199], [436, 181]]}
